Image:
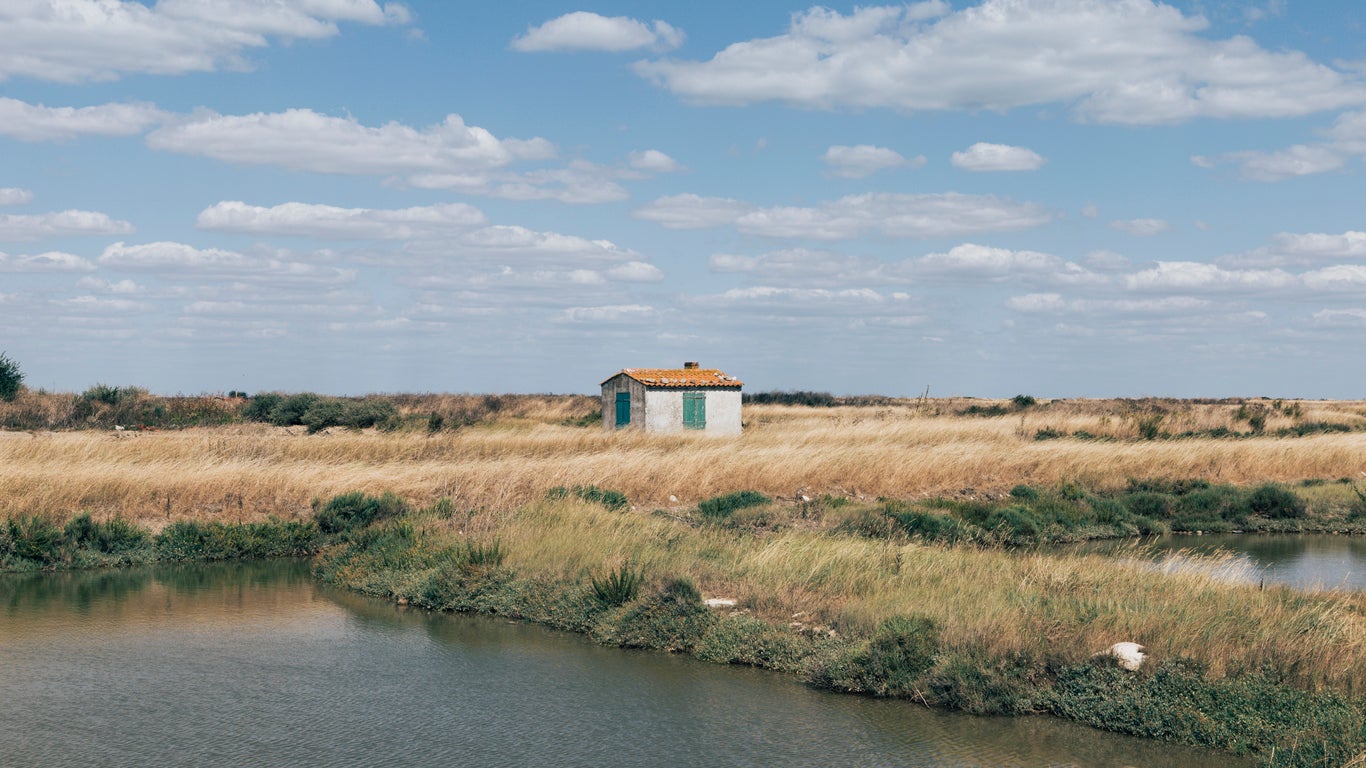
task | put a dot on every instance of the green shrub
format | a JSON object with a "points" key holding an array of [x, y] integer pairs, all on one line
{"points": [[357, 509], [720, 507], [114, 537], [323, 413], [893, 663], [289, 410], [673, 619], [931, 526], [1274, 501], [11, 378], [191, 540], [751, 641], [260, 407], [618, 587], [1048, 433], [1024, 401], [812, 399]]}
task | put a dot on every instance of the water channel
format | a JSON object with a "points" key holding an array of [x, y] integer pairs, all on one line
{"points": [[256, 664], [1318, 561]]}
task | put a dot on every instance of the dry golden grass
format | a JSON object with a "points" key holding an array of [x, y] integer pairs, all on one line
{"points": [[906, 449], [1052, 605]]}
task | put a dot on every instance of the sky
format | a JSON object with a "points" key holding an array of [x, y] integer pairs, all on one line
{"points": [[1064, 198]]}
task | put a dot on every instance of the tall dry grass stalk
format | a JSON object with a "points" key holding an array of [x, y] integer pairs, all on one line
{"points": [[247, 471]]}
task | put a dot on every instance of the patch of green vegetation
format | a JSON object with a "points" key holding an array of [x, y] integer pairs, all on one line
{"points": [[719, 508], [613, 500], [357, 509]]}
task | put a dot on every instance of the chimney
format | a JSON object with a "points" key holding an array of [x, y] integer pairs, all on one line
{"points": [[689, 366]]}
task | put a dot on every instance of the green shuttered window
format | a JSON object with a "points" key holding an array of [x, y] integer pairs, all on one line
{"points": [[623, 409], [694, 410]]}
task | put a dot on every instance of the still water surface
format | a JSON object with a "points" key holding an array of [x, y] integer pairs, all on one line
{"points": [[255, 664], [1300, 561]]}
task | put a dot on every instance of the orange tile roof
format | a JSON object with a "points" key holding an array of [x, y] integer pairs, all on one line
{"points": [[679, 377]]}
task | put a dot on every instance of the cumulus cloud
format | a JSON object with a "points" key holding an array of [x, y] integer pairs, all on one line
{"points": [[888, 214], [304, 140], [982, 157], [653, 161], [971, 259], [79, 40], [15, 196], [39, 226], [805, 266], [636, 272], [1141, 227], [1131, 62], [689, 211], [329, 222], [36, 122], [585, 31], [1345, 140], [1291, 249], [172, 260], [1200, 277], [51, 261], [864, 160]]}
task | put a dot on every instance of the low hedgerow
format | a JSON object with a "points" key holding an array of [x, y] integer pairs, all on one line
{"points": [[356, 509]]}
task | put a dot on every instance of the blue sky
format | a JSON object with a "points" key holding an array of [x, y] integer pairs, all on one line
{"points": [[1056, 197]]}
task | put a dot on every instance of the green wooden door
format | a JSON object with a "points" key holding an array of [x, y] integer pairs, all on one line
{"points": [[694, 410], [623, 409]]}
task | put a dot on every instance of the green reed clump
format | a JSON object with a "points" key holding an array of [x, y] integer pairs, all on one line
{"points": [[720, 507], [111, 537], [618, 587]]}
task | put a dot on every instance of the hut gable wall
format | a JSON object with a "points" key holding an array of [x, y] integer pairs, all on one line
{"points": [[610, 388]]}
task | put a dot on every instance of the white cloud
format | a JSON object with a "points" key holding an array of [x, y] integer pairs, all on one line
{"points": [[1107, 261], [1345, 140], [1055, 303], [1290, 249], [51, 261], [636, 272], [580, 182], [653, 161], [171, 260], [1134, 62], [332, 223], [124, 287], [1298, 160], [688, 211], [585, 31], [304, 140], [36, 122], [805, 266], [997, 157], [1200, 277], [39, 226], [15, 196], [971, 259], [1340, 317], [891, 215], [77, 40], [609, 314], [509, 240], [864, 160], [1141, 227], [94, 305]]}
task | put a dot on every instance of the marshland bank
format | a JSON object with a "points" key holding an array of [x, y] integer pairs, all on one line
{"points": [[885, 523]]}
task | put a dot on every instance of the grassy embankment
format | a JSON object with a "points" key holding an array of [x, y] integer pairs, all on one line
{"points": [[849, 592]]}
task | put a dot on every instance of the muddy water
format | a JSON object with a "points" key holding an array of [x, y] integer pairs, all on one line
{"points": [[1309, 561], [256, 664]]}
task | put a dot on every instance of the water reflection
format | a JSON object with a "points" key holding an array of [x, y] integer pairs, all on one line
{"points": [[1300, 561], [256, 664]]}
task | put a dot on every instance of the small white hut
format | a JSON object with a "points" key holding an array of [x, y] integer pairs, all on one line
{"points": [[672, 400]]}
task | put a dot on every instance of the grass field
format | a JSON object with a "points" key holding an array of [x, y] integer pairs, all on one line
{"points": [[510, 454]]}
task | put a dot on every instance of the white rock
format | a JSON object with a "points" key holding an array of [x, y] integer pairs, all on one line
{"points": [[1129, 655], [719, 602], [673, 499]]}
